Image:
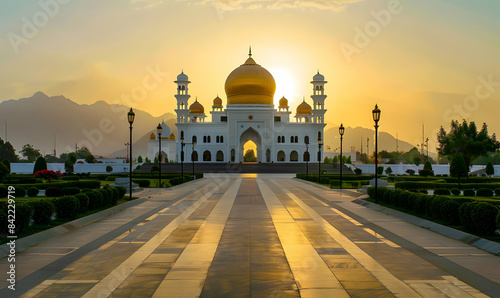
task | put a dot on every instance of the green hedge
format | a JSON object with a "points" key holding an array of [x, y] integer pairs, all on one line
{"points": [[142, 182], [42, 211], [178, 180], [345, 177], [407, 185], [32, 192], [477, 217], [23, 212], [67, 207], [84, 202], [80, 184]]}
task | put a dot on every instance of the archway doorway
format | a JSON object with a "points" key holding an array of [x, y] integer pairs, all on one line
{"points": [[250, 139], [249, 151]]}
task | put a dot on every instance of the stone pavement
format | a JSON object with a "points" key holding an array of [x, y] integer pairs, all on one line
{"points": [[249, 235]]}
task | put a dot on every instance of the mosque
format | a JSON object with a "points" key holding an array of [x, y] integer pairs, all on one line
{"points": [[249, 116]]}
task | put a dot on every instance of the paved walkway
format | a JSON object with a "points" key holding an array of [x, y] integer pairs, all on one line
{"points": [[248, 235]]}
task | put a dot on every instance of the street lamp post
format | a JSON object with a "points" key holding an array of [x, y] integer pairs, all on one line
{"points": [[159, 130], [182, 159], [192, 155], [341, 132], [131, 117], [307, 158], [376, 118], [320, 142]]}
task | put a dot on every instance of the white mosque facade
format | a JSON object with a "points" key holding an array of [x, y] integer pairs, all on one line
{"points": [[249, 115]]}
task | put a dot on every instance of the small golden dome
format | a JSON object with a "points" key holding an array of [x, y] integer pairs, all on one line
{"points": [[217, 102], [196, 108], [172, 136], [304, 108], [283, 102], [250, 84], [152, 136]]}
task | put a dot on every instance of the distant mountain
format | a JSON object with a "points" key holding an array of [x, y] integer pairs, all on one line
{"points": [[354, 137], [40, 120]]}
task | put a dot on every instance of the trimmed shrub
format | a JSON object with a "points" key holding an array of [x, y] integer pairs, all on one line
{"points": [[484, 218], [40, 165], [116, 196], [70, 178], [95, 199], [142, 182], [70, 191], [42, 211], [33, 192], [497, 191], [110, 194], [122, 191], [442, 192], [455, 191], [358, 171], [429, 205], [423, 191], [106, 200], [109, 169], [24, 212], [484, 192], [449, 211], [53, 192], [4, 192], [469, 192], [84, 202], [67, 207], [20, 192], [464, 214]]}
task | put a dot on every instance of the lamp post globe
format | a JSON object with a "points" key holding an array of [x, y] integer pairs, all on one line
{"points": [[376, 118], [159, 130], [131, 118]]}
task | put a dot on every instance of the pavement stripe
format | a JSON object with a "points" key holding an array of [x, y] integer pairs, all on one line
{"points": [[393, 284], [187, 276], [315, 279], [107, 285]]}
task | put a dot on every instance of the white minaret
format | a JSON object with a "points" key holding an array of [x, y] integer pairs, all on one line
{"points": [[318, 98], [182, 97]]}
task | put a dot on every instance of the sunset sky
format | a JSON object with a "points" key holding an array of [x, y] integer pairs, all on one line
{"points": [[423, 62]]}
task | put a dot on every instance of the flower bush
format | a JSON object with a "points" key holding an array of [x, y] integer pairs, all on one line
{"points": [[410, 172], [48, 175]]}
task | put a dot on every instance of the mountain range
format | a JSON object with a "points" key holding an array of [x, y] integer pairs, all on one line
{"points": [[58, 122]]}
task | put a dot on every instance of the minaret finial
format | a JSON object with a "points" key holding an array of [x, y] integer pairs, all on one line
{"points": [[250, 52]]}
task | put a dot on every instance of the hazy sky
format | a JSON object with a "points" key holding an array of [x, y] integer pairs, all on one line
{"points": [[425, 61]]}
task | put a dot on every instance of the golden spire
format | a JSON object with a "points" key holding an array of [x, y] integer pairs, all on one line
{"points": [[250, 52]]}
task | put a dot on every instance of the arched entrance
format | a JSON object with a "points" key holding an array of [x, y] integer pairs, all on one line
{"points": [[250, 136]]}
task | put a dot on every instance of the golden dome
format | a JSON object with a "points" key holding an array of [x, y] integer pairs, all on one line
{"points": [[304, 108], [283, 102], [152, 136], [196, 108], [250, 84], [217, 101], [172, 136]]}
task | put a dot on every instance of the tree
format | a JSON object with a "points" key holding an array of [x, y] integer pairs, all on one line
{"points": [[70, 161], [30, 152], [148, 160], [489, 169], [348, 160], [249, 156], [7, 151], [90, 158], [388, 171], [416, 160], [156, 160], [458, 167], [6, 162], [109, 169], [40, 164], [3, 171], [83, 152], [465, 139], [427, 165], [139, 159]]}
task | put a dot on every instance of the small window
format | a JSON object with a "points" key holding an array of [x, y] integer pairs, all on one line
{"points": [[223, 118], [296, 139], [277, 118], [208, 139], [222, 139]]}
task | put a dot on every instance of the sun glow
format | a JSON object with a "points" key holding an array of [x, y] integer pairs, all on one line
{"points": [[285, 85]]}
